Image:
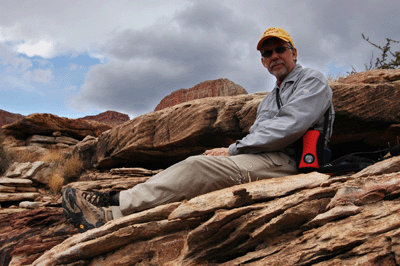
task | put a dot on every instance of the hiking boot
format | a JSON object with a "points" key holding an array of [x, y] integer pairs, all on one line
{"points": [[81, 213], [98, 199]]}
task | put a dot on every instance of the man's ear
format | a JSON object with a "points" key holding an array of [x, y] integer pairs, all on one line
{"points": [[294, 53], [264, 62]]}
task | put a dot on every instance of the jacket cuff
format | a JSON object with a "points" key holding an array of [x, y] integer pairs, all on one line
{"points": [[233, 150]]}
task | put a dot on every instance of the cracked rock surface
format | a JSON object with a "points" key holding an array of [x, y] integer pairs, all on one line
{"points": [[297, 220]]}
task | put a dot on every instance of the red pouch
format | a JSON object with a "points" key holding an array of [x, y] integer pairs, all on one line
{"points": [[310, 151]]}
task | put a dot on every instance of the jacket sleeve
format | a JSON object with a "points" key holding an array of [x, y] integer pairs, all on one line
{"points": [[300, 111]]}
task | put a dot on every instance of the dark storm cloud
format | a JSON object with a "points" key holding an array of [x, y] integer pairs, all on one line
{"points": [[208, 40], [205, 41], [331, 30]]}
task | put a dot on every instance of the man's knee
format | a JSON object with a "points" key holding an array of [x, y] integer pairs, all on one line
{"points": [[194, 162]]}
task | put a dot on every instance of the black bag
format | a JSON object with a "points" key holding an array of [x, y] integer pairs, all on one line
{"points": [[357, 161]]}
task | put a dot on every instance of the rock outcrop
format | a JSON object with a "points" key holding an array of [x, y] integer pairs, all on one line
{"points": [[8, 118], [47, 124], [367, 109], [210, 88], [367, 117], [26, 233], [158, 139], [307, 219], [110, 118], [31, 219]]}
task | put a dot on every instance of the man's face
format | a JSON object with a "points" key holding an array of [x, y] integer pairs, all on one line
{"points": [[277, 64]]}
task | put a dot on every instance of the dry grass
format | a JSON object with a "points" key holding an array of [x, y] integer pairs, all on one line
{"points": [[64, 168], [56, 182], [71, 168], [24, 156], [55, 157], [336, 77]]}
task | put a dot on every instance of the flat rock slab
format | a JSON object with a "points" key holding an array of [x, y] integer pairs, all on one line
{"points": [[7, 189], [15, 182], [5, 197], [247, 193]]}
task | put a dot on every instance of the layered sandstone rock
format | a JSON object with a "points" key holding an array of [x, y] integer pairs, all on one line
{"points": [[47, 124], [367, 118], [8, 118], [367, 109], [210, 88], [307, 219], [158, 139], [31, 219], [110, 118], [26, 234]]}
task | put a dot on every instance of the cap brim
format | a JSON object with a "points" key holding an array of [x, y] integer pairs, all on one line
{"points": [[268, 37]]}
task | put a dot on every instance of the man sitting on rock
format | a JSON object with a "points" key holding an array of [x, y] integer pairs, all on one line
{"points": [[298, 102]]}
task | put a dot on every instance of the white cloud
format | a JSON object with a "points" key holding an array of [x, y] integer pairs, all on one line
{"points": [[42, 48], [12, 61], [73, 66], [76, 26], [20, 64], [71, 88], [44, 76], [11, 82], [102, 58]]}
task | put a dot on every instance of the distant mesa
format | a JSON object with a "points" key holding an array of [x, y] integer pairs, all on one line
{"points": [[209, 88], [8, 118], [110, 118]]}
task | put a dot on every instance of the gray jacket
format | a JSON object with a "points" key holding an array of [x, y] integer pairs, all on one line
{"points": [[305, 97]]}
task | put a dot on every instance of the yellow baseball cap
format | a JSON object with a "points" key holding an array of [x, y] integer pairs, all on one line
{"points": [[275, 32]]}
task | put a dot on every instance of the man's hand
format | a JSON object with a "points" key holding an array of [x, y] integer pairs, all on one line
{"points": [[218, 152]]}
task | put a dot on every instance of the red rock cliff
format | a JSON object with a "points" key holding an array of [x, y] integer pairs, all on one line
{"points": [[209, 88], [110, 118]]}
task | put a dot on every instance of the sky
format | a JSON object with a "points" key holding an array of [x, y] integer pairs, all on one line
{"points": [[77, 58]]}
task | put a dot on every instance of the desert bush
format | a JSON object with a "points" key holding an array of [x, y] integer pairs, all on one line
{"points": [[55, 157], [387, 60], [384, 62], [71, 168], [64, 168], [56, 182]]}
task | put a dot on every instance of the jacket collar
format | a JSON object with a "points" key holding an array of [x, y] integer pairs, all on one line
{"points": [[291, 77]]}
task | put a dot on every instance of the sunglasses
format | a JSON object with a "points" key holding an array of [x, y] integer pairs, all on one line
{"points": [[278, 50]]}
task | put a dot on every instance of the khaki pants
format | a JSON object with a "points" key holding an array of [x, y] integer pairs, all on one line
{"points": [[201, 174]]}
